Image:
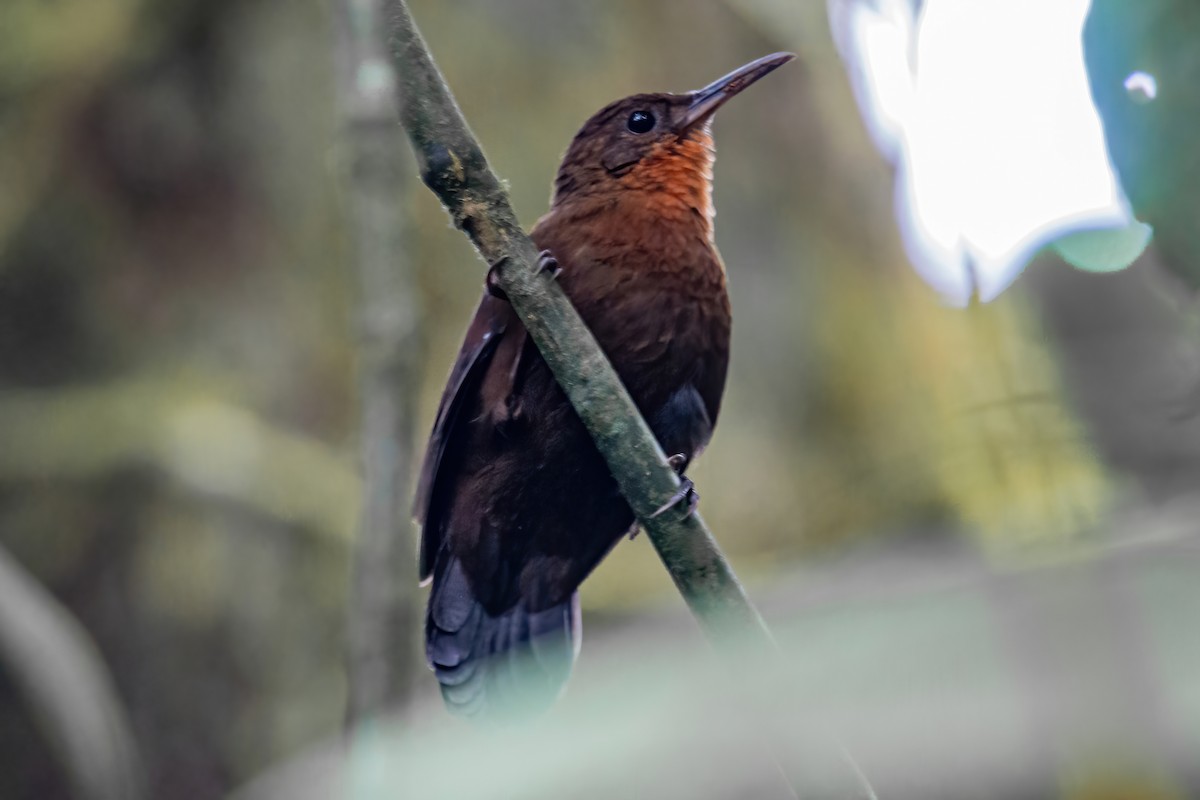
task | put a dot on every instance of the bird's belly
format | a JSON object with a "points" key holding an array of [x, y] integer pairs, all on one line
{"points": [[552, 503], [662, 350]]}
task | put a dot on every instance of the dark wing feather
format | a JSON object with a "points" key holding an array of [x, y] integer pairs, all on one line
{"points": [[492, 319], [710, 381]]}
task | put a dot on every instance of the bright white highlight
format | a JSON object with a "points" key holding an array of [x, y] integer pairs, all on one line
{"points": [[1142, 87], [985, 111]]}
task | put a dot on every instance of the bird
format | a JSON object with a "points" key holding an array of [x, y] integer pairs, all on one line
{"points": [[515, 503]]}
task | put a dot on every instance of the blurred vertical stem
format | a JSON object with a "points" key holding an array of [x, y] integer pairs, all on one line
{"points": [[56, 667], [382, 608], [453, 166]]}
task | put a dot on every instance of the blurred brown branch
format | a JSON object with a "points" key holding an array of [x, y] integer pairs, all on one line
{"points": [[68, 688], [383, 594]]}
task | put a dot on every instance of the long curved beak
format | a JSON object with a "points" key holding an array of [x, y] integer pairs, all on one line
{"points": [[707, 100]]}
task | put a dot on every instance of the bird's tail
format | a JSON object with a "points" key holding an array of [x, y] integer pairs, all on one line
{"points": [[502, 666]]}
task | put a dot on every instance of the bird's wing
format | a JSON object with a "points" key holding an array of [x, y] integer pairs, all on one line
{"points": [[710, 384], [492, 320]]}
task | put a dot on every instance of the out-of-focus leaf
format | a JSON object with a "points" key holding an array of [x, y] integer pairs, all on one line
{"points": [[186, 430], [68, 688], [1104, 249], [1152, 139]]}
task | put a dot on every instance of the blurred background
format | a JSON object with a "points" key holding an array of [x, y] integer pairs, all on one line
{"points": [[973, 530]]}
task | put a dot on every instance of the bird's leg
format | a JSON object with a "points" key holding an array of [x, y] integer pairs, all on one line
{"points": [[546, 263], [686, 491]]}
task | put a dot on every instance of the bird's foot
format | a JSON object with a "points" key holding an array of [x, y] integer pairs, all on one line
{"points": [[546, 263], [685, 493], [493, 279]]}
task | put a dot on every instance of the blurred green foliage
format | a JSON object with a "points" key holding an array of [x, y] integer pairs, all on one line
{"points": [[1152, 140]]}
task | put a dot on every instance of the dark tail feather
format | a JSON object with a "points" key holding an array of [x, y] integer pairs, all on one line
{"points": [[496, 666]]}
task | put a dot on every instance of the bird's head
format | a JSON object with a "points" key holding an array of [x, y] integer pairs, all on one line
{"points": [[656, 143]]}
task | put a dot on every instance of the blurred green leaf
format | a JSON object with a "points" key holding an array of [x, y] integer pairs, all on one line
{"points": [[183, 428], [1105, 249], [1152, 142]]}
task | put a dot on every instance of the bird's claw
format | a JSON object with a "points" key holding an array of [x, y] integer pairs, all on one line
{"points": [[546, 263], [686, 491], [493, 279]]}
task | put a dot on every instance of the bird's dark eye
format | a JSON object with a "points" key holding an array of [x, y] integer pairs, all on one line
{"points": [[641, 122]]}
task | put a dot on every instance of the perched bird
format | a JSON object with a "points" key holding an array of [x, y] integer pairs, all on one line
{"points": [[516, 504]]}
